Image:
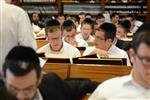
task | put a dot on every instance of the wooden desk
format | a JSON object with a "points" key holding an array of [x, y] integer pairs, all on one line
{"points": [[98, 73], [60, 69], [41, 43]]}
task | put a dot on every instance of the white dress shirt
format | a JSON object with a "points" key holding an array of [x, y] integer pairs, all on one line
{"points": [[90, 38], [120, 88], [115, 52], [38, 96], [15, 29], [137, 24], [67, 51]]}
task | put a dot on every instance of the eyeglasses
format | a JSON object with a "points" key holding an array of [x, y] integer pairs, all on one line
{"points": [[144, 60], [99, 38], [27, 90]]}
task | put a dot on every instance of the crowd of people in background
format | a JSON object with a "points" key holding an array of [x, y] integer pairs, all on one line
{"points": [[21, 74]]}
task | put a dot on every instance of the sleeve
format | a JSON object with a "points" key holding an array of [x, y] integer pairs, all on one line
{"points": [[88, 51], [25, 33]]}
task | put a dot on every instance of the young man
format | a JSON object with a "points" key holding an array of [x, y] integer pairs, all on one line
{"points": [[115, 18], [23, 78], [135, 24], [86, 31], [135, 86], [61, 18], [104, 37], [56, 45], [15, 29], [69, 33], [81, 19]]}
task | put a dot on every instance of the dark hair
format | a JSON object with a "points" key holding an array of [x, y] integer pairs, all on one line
{"points": [[68, 25], [109, 30], [114, 14], [61, 15], [81, 13], [142, 35], [99, 16], [126, 25], [88, 21], [131, 16], [52, 25], [21, 60]]}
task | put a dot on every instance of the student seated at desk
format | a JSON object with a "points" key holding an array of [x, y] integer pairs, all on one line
{"points": [[69, 32], [87, 27], [135, 86], [23, 78], [56, 45], [104, 37]]}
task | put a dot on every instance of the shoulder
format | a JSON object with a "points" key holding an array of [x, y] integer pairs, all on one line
{"points": [[118, 50], [69, 46], [43, 49], [112, 85], [14, 8]]}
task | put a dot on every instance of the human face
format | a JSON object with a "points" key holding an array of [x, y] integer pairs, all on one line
{"points": [[86, 30], [68, 36], [115, 19], [100, 41], [55, 40], [61, 19], [82, 17], [22, 87], [141, 65], [100, 21], [131, 21], [35, 17], [120, 32]]}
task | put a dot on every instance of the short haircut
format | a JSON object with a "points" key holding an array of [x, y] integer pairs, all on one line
{"points": [[126, 25], [142, 35], [114, 14], [22, 60], [89, 22], [52, 26], [131, 16], [61, 15], [100, 16], [109, 30], [68, 25], [81, 13]]}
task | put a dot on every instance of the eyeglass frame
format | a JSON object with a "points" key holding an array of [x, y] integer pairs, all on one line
{"points": [[143, 59]]}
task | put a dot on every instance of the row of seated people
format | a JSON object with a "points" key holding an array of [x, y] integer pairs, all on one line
{"points": [[23, 78], [97, 21], [103, 42]]}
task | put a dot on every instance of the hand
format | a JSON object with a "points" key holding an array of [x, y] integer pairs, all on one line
{"points": [[73, 42], [101, 52]]}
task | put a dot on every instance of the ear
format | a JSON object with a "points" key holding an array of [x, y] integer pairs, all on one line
{"points": [[109, 40], [132, 55], [40, 79]]}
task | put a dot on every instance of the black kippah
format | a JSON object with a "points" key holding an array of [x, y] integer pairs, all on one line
{"points": [[23, 54]]}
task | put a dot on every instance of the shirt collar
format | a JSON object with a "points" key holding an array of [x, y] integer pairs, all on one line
{"points": [[38, 96], [129, 81], [61, 50]]}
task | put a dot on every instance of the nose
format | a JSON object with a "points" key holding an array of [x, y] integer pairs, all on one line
{"points": [[21, 95]]}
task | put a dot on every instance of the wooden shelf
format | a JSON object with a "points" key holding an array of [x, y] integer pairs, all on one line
{"points": [[59, 5]]}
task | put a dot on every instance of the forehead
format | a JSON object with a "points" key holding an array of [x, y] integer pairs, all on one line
{"points": [[55, 33], [21, 81], [144, 49], [73, 31], [99, 33], [61, 17], [86, 25]]}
